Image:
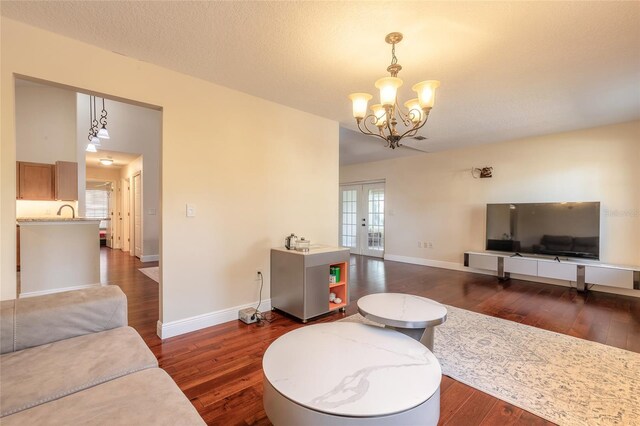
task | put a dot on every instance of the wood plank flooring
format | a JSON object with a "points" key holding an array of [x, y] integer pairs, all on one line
{"points": [[220, 368]]}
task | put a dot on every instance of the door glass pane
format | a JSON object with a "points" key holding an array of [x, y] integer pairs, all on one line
{"points": [[376, 219], [349, 219]]}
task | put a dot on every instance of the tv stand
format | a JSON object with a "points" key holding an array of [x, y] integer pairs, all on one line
{"points": [[580, 273]]}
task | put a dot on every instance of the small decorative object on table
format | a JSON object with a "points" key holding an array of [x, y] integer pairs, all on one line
{"points": [[332, 297]]}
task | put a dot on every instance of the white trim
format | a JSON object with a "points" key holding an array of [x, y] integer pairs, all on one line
{"points": [[187, 325], [435, 264], [56, 290], [460, 267], [150, 258]]}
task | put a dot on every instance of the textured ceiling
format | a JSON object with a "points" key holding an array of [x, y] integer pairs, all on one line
{"points": [[508, 69]]}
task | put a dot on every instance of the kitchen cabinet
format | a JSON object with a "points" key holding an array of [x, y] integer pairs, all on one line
{"points": [[38, 181], [66, 180], [300, 281], [35, 181]]}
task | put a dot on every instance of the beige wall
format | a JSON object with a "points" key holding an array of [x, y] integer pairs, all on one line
{"points": [[433, 197], [255, 170]]}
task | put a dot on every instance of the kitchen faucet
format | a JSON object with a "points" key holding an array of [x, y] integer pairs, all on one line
{"points": [[73, 211]]}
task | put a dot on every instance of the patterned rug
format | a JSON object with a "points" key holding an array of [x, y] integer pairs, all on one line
{"points": [[152, 272], [563, 379]]}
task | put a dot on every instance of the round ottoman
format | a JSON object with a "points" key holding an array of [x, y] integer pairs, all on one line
{"points": [[347, 373]]}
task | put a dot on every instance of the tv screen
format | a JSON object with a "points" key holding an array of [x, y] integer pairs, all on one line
{"points": [[552, 229]]}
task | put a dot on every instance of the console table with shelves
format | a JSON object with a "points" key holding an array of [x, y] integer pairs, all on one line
{"points": [[583, 273], [300, 281]]}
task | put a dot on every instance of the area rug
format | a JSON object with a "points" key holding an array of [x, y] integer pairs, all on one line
{"points": [[563, 379], [152, 272]]}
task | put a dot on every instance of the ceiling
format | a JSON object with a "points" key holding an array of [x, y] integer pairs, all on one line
{"points": [[508, 69], [120, 159]]}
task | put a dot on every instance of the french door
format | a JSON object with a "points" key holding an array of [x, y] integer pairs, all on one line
{"points": [[362, 218]]}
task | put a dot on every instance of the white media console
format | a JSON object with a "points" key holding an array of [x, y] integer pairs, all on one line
{"points": [[582, 273]]}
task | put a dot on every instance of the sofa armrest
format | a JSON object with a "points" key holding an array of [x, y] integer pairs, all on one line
{"points": [[35, 321]]}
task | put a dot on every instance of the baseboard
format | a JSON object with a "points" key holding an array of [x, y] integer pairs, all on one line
{"points": [[56, 290], [435, 264], [460, 267], [187, 325], [150, 258]]}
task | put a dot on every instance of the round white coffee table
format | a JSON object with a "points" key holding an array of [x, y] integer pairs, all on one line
{"points": [[346, 373], [412, 315]]}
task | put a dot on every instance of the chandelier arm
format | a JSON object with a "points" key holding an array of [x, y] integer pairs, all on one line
{"points": [[415, 129], [369, 132]]}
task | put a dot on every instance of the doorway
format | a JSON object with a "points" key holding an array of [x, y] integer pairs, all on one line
{"points": [[137, 215], [362, 218]]}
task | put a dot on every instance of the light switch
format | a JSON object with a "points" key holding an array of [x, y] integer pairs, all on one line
{"points": [[151, 212], [191, 210]]}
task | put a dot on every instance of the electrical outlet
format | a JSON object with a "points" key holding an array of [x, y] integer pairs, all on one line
{"points": [[429, 245]]}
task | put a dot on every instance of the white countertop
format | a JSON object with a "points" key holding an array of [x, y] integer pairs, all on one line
{"points": [[352, 369], [314, 249], [402, 310], [22, 221]]}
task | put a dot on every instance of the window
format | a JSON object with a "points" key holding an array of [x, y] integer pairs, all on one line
{"points": [[97, 205]]}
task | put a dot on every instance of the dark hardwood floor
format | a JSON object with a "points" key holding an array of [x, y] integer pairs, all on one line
{"points": [[220, 368]]}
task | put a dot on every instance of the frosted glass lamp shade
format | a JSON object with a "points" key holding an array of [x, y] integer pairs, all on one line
{"points": [[360, 102], [388, 87], [426, 91], [103, 133], [415, 112], [91, 148], [380, 113], [95, 141]]}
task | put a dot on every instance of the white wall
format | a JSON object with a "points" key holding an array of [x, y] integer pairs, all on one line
{"points": [[433, 197], [45, 124], [255, 170], [136, 130]]}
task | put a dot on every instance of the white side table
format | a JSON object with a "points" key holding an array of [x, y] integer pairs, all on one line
{"points": [[412, 315], [345, 373]]}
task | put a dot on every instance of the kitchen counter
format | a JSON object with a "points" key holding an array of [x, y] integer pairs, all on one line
{"points": [[58, 254], [34, 220]]}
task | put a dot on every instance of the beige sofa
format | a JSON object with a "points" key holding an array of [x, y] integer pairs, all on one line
{"points": [[69, 358]]}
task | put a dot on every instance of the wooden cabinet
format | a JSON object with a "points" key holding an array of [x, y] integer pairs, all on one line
{"points": [[35, 181], [66, 180]]}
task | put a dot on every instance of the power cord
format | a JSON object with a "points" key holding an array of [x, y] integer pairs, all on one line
{"points": [[259, 316]]}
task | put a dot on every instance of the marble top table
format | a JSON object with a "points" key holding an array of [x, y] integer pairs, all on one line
{"points": [[412, 315], [347, 373]]}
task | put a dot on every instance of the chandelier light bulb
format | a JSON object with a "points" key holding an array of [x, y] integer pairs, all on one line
{"points": [[426, 91], [380, 114], [415, 112], [388, 87], [91, 148], [360, 102]]}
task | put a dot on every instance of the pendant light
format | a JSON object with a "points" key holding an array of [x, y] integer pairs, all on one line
{"points": [[93, 140], [103, 133]]}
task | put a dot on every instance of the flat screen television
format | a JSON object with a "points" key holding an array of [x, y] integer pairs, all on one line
{"points": [[550, 229]]}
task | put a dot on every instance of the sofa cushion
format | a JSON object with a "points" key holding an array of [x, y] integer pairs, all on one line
{"points": [[37, 375], [148, 397], [34, 321]]}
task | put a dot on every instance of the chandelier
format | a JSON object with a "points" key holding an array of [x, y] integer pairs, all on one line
{"points": [[95, 134], [388, 114]]}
